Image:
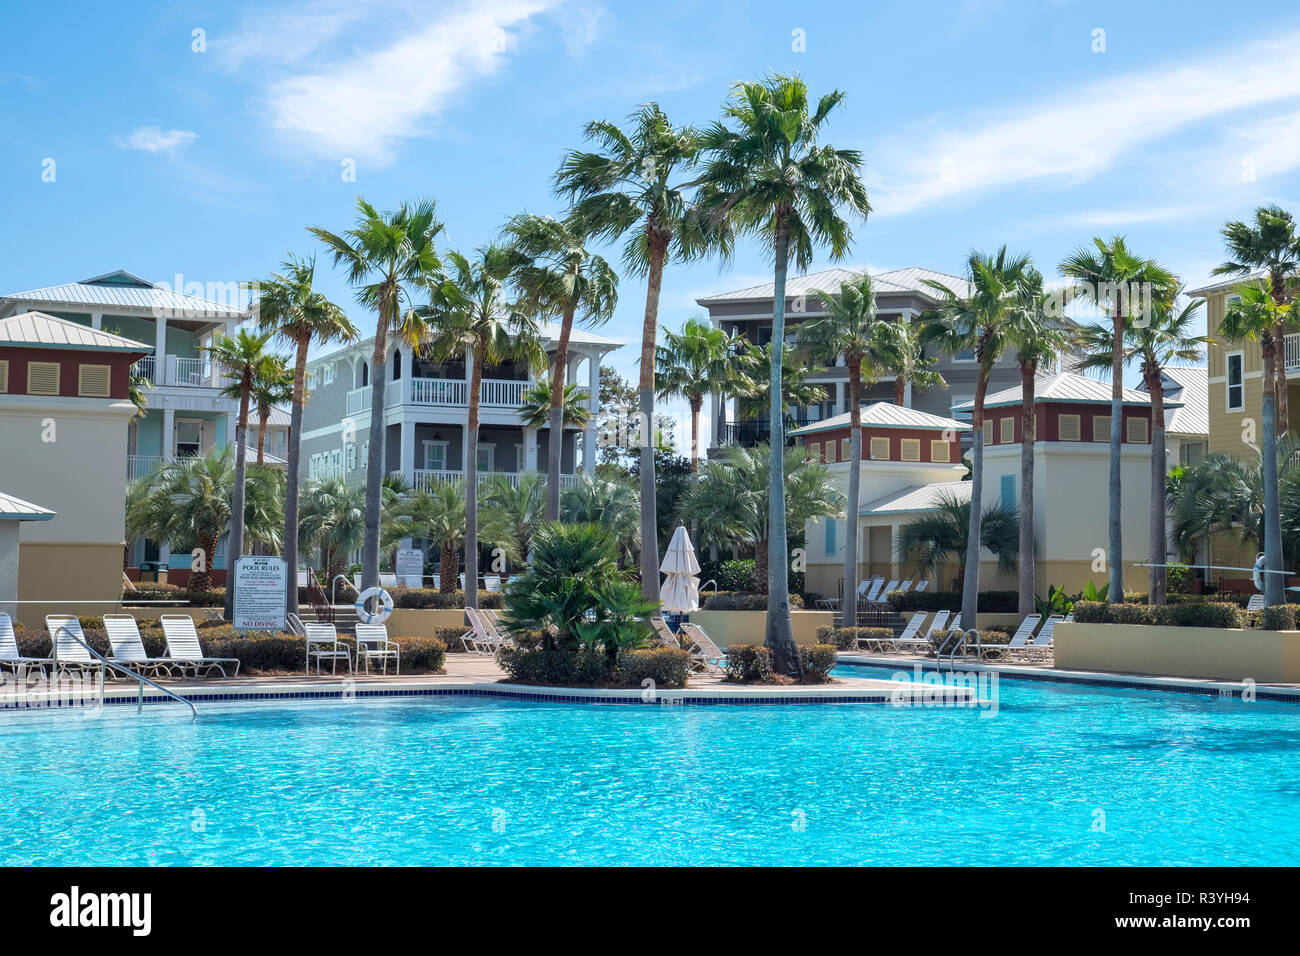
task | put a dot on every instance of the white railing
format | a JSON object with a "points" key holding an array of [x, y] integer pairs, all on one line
{"points": [[359, 400], [189, 371], [438, 391], [426, 480], [137, 466], [493, 393], [1291, 349], [502, 393], [145, 369]]}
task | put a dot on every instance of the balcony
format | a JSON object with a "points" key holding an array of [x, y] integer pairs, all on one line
{"points": [[137, 466], [178, 371], [751, 433], [1291, 351], [426, 480], [451, 393]]}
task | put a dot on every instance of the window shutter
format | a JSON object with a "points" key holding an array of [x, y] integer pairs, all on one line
{"points": [[1068, 428], [93, 381], [988, 432], [940, 450], [4, 376], [1101, 428], [1008, 490], [1008, 426], [832, 545], [879, 449], [1137, 431], [911, 449], [42, 378]]}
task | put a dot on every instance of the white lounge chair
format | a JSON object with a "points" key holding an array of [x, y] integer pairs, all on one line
{"points": [[910, 638], [323, 644], [492, 583], [70, 649], [10, 658], [938, 625], [904, 586], [1069, 618], [1256, 603], [485, 639], [1019, 640], [871, 592], [1042, 647], [373, 642], [128, 649], [388, 580], [665, 634], [882, 596], [185, 652], [704, 650], [922, 585], [462, 582]]}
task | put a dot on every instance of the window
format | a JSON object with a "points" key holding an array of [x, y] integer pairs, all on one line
{"points": [[352, 457], [189, 438], [880, 448], [1236, 385], [1101, 428], [911, 450], [988, 432], [964, 355], [844, 449], [4, 376], [957, 400], [1190, 452], [1137, 431], [486, 457], [1008, 491], [1067, 427], [1007, 427], [327, 375], [435, 456], [940, 450], [519, 457], [42, 378], [93, 381], [832, 545]]}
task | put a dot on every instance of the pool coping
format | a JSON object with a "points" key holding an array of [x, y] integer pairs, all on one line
{"points": [[1174, 685]]}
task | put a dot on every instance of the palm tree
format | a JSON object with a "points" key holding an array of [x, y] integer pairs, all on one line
{"points": [[489, 330], [730, 503], [1112, 277], [188, 504], [1255, 315], [387, 256], [535, 406], [611, 504], [940, 536], [903, 354], [289, 305], [1037, 339], [557, 274], [631, 181], [753, 384], [1270, 245], [243, 359], [997, 287], [272, 386], [848, 329], [514, 511], [767, 175], [1155, 344], [137, 392], [690, 364], [437, 516], [333, 522]]}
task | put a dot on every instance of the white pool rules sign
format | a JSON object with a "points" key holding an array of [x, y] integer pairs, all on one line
{"points": [[260, 593]]}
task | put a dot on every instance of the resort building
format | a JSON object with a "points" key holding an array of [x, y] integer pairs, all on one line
{"points": [[275, 449], [65, 414], [901, 295], [426, 413]]}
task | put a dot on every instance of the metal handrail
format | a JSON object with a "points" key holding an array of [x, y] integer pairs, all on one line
{"points": [[118, 667], [958, 645], [334, 587]]}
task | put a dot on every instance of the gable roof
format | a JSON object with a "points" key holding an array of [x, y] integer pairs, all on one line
{"points": [[123, 290], [38, 330], [1188, 384], [15, 509], [1064, 387], [910, 280], [917, 498], [1225, 284], [886, 415]]}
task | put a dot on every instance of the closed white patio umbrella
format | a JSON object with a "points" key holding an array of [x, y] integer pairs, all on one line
{"points": [[680, 592]]}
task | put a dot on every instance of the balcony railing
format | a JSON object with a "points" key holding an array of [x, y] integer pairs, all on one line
{"points": [[426, 480], [748, 434], [1291, 349], [359, 400], [144, 369], [175, 370], [137, 466]]}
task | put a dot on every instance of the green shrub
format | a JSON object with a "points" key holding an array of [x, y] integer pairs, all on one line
{"points": [[739, 601], [749, 663], [1179, 579], [1280, 617], [990, 602], [580, 667], [1193, 614], [846, 638], [735, 575], [668, 668], [216, 597], [431, 598], [153, 591], [817, 662]]}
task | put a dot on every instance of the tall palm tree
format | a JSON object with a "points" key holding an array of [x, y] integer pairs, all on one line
{"points": [[535, 406], [611, 504], [482, 325], [558, 275], [1037, 339], [848, 329], [903, 354], [997, 287], [632, 180], [1162, 341], [939, 536], [1255, 315], [272, 386], [289, 305], [437, 516], [333, 522], [243, 358], [1270, 245], [730, 503], [388, 257], [514, 511], [753, 385], [1115, 279], [767, 175], [690, 364]]}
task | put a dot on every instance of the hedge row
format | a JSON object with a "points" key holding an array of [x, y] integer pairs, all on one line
{"points": [[1201, 614], [846, 638], [431, 598], [741, 601], [1280, 617], [990, 602], [532, 664], [752, 664]]}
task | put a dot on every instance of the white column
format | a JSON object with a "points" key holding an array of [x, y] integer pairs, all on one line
{"points": [[530, 450], [841, 402], [715, 419], [408, 448], [408, 369], [97, 320], [160, 351], [169, 433], [593, 402], [907, 394]]}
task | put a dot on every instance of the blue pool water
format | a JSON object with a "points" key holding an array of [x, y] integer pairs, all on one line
{"points": [[1059, 776]]}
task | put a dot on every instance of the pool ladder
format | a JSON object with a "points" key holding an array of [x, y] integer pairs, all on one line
{"points": [[139, 702], [953, 645]]}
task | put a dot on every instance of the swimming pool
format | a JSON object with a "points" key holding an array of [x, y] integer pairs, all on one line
{"points": [[1061, 775]]}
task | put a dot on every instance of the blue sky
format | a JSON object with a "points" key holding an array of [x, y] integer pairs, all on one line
{"points": [[981, 122]]}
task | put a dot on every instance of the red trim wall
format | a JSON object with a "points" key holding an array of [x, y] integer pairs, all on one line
{"points": [[895, 436], [1047, 425], [69, 362]]}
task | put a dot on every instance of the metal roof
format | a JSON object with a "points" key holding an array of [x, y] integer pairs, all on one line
{"points": [[15, 509], [280, 418], [122, 290], [1187, 384], [917, 498], [899, 281], [550, 333], [1223, 285], [886, 415], [1065, 387], [45, 331]]}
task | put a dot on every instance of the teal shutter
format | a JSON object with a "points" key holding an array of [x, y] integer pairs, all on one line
{"points": [[832, 545], [1008, 491]]}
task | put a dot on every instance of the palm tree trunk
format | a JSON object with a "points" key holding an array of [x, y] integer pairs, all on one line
{"points": [[970, 585], [696, 405], [375, 456], [849, 600], [1115, 559], [448, 570], [290, 546], [1159, 470], [202, 580], [262, 419], [471, 481], [900, 388], [658, 242], [1273, 583], [1283, 410], [1027, 562], [555, 441], [780, 631], [760, 566], [235, 544]]}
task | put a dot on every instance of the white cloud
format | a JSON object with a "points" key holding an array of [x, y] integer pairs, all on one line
{"points": [[1082, 131], [155, 139]]}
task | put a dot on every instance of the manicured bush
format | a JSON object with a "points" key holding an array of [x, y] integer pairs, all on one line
{"points": [[735, 575], [1279, 617], [1194, 614], [1179, 579], [749, 663], [817, 662], [739, 601], [555, 668], [153, 591], [668, 668], [990, 602], [432, 598], [846, 638]]}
